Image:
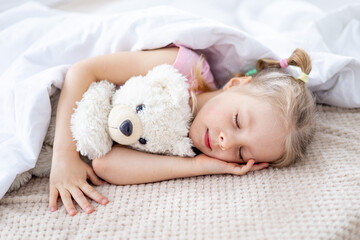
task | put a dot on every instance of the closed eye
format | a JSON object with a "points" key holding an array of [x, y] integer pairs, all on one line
{"points": [[240, 155], [236, 120]]}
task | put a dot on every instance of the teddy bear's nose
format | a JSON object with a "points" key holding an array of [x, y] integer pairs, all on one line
{"points": [[126, 127]]}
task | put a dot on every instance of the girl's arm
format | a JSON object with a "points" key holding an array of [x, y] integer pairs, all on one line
{"points": [[68, 172], [123, 166]]}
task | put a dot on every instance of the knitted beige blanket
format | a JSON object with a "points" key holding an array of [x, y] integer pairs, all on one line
{"points": [[316, 198]]}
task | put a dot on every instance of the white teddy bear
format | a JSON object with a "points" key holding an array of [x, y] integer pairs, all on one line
{"points": [[149, 113]]}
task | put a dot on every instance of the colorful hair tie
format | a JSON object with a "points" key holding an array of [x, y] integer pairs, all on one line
{"points": [[251, 72], [303, 77], [284, 63]]}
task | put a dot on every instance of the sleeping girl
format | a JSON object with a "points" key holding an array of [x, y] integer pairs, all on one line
{"points": [[255, 120]]}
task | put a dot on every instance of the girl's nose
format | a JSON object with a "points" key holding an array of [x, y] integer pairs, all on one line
{"points": [[224, 141]]}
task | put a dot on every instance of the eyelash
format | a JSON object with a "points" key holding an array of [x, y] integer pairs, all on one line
{"points": [[237, 125], [236, 120]]}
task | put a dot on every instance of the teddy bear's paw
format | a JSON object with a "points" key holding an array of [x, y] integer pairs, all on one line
{"points": [[20, 180], [89, 123], [183, 148]]}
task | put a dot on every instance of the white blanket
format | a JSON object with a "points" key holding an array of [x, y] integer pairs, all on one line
{"points": [[331, 37], [38, 45]]}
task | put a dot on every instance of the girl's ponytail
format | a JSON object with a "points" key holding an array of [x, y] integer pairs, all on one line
{"points": [[299, 58]]}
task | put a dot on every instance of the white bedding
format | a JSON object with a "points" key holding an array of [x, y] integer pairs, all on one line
{"points": [[38, 45]]}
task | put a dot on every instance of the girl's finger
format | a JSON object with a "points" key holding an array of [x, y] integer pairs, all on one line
{"points": [[248, 166], [79, 197], [242, 170], [93, 178], [259, 166], [68, 203], [54, 194], [93, 194]]}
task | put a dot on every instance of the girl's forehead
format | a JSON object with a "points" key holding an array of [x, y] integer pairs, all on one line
{"points": [[237, 96]]}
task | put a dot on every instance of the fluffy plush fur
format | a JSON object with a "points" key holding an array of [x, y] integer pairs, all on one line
{"points": [[148, 113]]}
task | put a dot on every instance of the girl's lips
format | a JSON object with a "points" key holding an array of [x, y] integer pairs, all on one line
{"points": [[207, 139]]}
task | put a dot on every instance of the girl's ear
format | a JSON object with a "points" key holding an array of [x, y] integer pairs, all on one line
{"points": [[237, 81]]}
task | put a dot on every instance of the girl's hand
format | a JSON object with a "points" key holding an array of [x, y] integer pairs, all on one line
{"points": [[210, 165], [68, 179]]}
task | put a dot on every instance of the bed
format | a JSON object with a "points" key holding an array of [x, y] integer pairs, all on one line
{"points": [[316, 198]]}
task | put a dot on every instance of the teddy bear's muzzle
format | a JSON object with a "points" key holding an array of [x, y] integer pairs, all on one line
{"points": [[124, 125]]}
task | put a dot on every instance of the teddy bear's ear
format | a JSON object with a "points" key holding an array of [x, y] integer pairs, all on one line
{"points": [[89, 122], [170, 80]]}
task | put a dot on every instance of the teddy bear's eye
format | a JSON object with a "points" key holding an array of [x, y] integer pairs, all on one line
{"points": [[142, 141], [140, 107]]}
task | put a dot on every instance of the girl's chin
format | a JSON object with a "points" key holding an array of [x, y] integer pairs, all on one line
{"points": [[201, 148]]}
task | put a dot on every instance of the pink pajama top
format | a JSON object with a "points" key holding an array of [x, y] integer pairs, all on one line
{"points": [[186, 62]]}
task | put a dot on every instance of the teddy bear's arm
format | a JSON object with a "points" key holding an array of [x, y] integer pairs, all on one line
{"points": [[89, 123]]}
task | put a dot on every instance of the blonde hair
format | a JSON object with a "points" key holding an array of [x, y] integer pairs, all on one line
{"points": [[289, 95], [199, 84]]}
